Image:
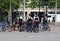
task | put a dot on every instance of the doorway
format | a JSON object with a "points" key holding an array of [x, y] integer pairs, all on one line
{"points": [[41, 14]]}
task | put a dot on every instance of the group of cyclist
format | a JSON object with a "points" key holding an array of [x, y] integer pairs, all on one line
{"points": [[32, 24]]}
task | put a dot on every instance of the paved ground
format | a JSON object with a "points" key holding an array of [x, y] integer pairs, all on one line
{"points": [[24, 36], [53, 35], [55, 28]]}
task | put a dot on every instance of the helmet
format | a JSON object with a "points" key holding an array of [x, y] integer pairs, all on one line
{"points": [[21, 17]]}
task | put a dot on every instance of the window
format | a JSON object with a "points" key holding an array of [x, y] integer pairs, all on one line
{"points": [[51, 12], [49, 16], [58, 12]]}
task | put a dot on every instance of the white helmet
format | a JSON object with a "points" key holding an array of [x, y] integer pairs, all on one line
{"points": [[21, 17]]}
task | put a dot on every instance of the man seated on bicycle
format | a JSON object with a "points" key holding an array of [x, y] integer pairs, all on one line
{"points": [[36, 22], [20, 21], [29, 24], [45, 23], [5, 26]]}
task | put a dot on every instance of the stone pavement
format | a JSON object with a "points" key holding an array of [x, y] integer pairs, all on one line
{"points": [[53, 35], [54, 28], [24, 36]]}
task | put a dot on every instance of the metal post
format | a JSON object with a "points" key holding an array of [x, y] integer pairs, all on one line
{"points": [[24, 10], [46, 9], [39, 7], [55, 11]]}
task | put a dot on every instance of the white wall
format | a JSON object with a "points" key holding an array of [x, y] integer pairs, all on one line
{"points": [[58, 18]]}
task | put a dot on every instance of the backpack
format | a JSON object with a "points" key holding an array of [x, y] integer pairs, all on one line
{"points": [[29, 21]]}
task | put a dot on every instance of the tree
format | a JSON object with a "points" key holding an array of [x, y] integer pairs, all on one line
{"points": [[9, 6], [58, 3], [50, 3], [33, 4], [6, 4]]}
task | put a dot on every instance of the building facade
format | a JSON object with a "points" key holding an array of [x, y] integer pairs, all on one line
{"points": [[50, 12]]}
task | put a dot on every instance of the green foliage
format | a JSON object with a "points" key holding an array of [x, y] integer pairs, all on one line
{"points": [[5, 4], [15, 4], [49, 3], [58, 3], [33, 4]]}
